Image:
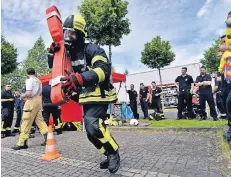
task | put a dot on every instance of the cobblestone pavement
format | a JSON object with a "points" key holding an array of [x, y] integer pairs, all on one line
{"points": [[148, 154]]}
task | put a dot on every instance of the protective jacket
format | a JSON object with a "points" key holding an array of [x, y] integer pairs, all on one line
{"points": [[93, 65]]}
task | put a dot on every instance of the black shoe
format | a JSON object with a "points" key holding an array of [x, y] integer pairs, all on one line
{"points": [[3, 135], [19, 147], [203, 118], [32, 131], [215, 119], [45, 140], [43, 143], [16, 147], [178, 118], [10, 134], [15, 131], [59, 132], [114, 162], [104, 164]]}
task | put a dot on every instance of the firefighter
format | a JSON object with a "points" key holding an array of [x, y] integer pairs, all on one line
{"points": [[217, 90], [18, 101], [7, 100], [203, 81], [184, 84], [144, 99], [22, 103], [156, 100], [51, 109], [91, 72], [32, 110], [133, 100]]}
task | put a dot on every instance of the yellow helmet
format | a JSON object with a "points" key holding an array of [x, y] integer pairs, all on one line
{"points": [[76, 22]]}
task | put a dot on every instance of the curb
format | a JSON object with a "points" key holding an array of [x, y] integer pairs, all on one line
{"points": [[189, 129]]}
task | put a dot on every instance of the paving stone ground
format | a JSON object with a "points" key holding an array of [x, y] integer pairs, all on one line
{"points": [[143, 154]]}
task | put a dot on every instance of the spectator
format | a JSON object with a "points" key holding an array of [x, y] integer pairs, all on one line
{"points": [[217, 91], [156, 100], [184, 84], [144, 97], [18, 103], [133, 100], [203, 81], [7, 100]]}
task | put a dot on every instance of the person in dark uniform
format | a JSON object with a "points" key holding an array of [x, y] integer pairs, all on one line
{"points": [[91, 80], [7, 100], [203, 81], [184, 84], [18, 101], [156, 100], [133, 100], [51, 109], [144, 96], [219, 100]]}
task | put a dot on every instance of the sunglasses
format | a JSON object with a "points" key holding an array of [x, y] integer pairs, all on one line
{"points": [[9, 86]]}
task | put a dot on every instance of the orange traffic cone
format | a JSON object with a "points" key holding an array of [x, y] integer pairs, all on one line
{"points": [[50, 152]]}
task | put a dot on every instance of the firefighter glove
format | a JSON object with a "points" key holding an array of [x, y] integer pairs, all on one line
{"points": [[73, 81]]}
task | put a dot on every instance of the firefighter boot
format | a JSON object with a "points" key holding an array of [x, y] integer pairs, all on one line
{"points": [[45, 140], [114, 162], [58, 131], [104, 164], [16, 147], [3, 135]]}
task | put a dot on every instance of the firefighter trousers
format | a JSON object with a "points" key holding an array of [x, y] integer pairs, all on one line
{"points": [[18, 120], [144, 107], [7, 120], [55, 112], [133, 105], [209, 98], [157, 106], [97, 132], [228, 107], [185, 99], [220, 104], [32, 111]]}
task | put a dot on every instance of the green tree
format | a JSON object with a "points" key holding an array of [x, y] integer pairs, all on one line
{"points": [[8, 56], [16, 78], [106, 22], [211, 60], [157, 54], [37, 59], [126, 72]]}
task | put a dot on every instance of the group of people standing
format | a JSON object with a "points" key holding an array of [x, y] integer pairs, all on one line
{"points": [[145, 98], [16, 102], [186, 87]]}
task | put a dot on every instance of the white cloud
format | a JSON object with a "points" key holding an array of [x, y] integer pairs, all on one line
{"points": [[204, 9], [227, 1]]}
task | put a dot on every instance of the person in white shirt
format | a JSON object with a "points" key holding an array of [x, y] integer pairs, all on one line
{"points": [[32, 110]]}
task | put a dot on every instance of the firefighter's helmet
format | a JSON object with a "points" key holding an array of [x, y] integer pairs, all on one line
{"points": [[75, 22]]}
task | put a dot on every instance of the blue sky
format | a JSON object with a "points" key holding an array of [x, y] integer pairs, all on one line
{"points": [[189, 25]]}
